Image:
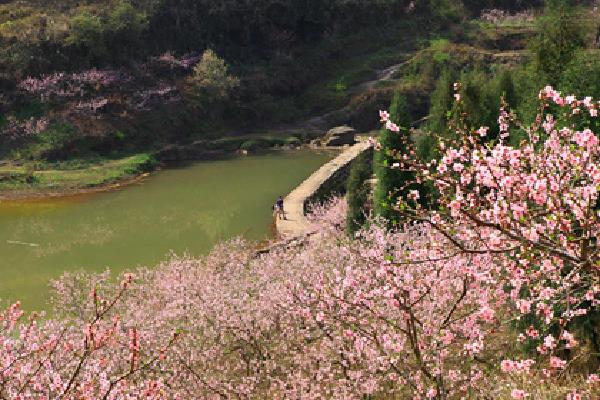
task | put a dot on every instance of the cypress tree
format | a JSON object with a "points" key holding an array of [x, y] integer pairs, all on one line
{"points": [[357, 191], [561, 32], [442, 100], [506, 88], [389, 180]]}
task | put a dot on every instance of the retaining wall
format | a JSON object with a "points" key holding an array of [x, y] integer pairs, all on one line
{"points": [[330, 178]]}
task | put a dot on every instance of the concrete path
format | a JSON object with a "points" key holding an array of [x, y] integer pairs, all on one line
{"points": [[296, 223]]}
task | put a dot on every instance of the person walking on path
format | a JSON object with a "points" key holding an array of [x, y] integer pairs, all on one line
{"points": [[279, 208]]}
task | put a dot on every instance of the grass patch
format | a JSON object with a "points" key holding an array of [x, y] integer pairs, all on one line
{"points": [[86, 176]]}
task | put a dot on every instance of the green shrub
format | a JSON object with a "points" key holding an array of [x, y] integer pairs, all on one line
{"points": [[87, 32], [252, 145], [441, 50], [211, 82], [52, 141]]}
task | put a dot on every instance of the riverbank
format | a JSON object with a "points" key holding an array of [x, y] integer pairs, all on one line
{"points": [[37, 180], [18, 182]]}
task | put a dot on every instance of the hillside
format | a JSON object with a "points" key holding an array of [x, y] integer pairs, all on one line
{"points": [[98, 81]]}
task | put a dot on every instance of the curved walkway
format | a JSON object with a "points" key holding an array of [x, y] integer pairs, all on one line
{"points": [[296, 223]]}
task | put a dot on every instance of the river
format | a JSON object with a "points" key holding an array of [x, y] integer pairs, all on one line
{"points": [[186, 209]]}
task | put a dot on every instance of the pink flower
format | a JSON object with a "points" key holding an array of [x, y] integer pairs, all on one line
{"points": [[487, 314], [524, 306], [384, 115], [593, 379], [573, 396], [458, 167], [507, 365], [518, 394], [550, 342], [455, 207], [392, 126], [557, 363], [532, 332]]}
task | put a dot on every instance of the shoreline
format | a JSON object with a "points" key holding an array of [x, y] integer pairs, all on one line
{"points": [[42, 194], [39, 194]]}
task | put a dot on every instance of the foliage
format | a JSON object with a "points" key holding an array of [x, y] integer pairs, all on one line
{"points": [[87, 32], [441, 102], [357, 192], [481, 96], [561, 32], [581, 76], [391, 180], [447, 10], [211, 81]]}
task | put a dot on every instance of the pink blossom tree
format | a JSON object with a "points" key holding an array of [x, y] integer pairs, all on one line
{"points": [[534, 203], [100, 358]]}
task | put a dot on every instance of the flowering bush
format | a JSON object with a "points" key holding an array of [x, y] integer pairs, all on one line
{"points": [[535, 203], [62, 85], [14, 128], [90, 92]]}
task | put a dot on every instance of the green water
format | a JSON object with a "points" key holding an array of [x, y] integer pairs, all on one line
{"points": [[182, 210]]}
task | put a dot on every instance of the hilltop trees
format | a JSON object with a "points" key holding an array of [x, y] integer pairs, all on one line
{"points": [[119, 29]]}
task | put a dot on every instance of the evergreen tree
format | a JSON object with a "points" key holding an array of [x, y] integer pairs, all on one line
{"points": [[560, 34], [390, 181], [357, 191], [441, 102], [476, 98], [502, 87], [506, 88], [582, 76], [481, 98]]}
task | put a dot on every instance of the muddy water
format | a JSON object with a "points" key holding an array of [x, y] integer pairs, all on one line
{"points": [[181, 210]]}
